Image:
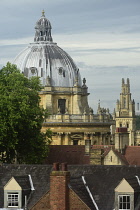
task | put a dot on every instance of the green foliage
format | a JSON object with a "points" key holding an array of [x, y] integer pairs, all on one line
{"points": [[21, 118], [137, 122]]}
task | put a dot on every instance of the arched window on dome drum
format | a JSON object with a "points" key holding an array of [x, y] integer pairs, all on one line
{"points": [[41, 72], [41, 33], [62, 105], [40, 62]]}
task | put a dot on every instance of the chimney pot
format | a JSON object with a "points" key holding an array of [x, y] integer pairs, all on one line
{"points": [[56, 166], [64, 166]]}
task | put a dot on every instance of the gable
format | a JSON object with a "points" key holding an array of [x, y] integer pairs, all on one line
{"points": [[12, 185], [75, 202], [112, 159], [124, 186], [43, 202]]}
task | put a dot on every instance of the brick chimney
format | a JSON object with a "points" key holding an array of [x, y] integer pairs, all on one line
{"points": [[59, 191]]}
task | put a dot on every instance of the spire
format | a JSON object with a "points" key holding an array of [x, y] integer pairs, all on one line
{"points": [[128, 81], [122, 81], [99, 104], [99, 108]]}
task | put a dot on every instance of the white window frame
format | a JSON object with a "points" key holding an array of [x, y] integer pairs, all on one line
{"points": [[12, 198], [127, 202]]}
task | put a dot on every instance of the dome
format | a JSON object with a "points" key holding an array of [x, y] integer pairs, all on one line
{"points": [[46, 59]]}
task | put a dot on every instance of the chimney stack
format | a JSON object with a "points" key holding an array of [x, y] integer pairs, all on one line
{"points": [[59, 191]]}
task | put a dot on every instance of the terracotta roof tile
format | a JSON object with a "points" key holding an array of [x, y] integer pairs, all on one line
{"points": [[132, 155], [72, 154]]}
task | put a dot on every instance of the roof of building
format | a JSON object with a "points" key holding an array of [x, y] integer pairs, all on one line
{"points": [[101, 181], [77, 185], [132, 155], [72, 154], [23, 181], [75, 154], [39, 175]]}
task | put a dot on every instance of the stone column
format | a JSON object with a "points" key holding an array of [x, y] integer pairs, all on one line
{"points": [[131, 138], [103, 138], [67, 138], [92, 138], [59, 138]]}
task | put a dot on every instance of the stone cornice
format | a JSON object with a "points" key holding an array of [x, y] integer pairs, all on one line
{"points": [[78, 124]]}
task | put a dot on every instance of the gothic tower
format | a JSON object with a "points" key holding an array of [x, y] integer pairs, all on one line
{"points": [[125, 111]]}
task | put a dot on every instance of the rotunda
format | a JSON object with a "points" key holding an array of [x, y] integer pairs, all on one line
{"points": [[64, 95]]}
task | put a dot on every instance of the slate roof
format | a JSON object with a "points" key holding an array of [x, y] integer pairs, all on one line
{"points": [[77, 185], [24, 183], [132, 155], [39, 174], [101, 180]]}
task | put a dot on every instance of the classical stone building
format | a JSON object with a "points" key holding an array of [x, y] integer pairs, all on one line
{"points": [[64, 94]]}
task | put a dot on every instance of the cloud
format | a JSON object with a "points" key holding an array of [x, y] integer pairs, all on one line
{"points": [[102, 37]]}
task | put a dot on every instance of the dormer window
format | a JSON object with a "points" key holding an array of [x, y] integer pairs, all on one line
{"points": [[13, 199], [15, 191], [124, 195]]}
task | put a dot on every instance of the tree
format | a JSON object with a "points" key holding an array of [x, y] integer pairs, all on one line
{"points": [[21, 118], [137, 122]]}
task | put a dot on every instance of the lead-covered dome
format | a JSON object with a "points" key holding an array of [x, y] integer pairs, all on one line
{"points": [[45, 59]]}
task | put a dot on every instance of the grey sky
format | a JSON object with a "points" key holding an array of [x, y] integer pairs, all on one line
{"points": [[102, 37]]}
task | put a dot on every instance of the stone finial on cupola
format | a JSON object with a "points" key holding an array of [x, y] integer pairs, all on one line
{"points": [[90, 110], [99, 108], [43, 13], [43, 29]]}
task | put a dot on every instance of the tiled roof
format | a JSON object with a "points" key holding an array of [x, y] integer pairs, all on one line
{"points": [[132, 155], [72, 154]]}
